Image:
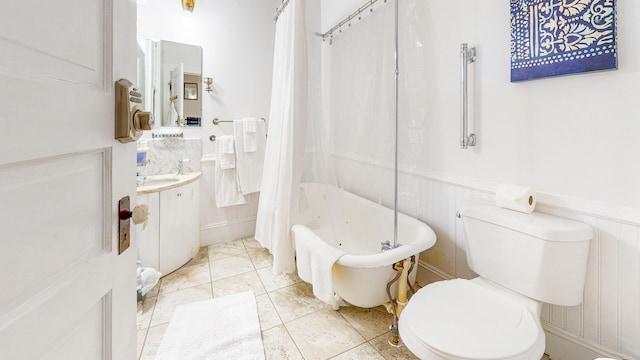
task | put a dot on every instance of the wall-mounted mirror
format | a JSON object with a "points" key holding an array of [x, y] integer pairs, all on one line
{"points": [[170, 77]]}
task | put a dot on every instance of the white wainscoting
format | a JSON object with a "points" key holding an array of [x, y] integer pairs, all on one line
{"points": [[607, 323], [218, 225]]}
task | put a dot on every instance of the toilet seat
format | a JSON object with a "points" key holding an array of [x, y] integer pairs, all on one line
{"points": [[460, 319]]}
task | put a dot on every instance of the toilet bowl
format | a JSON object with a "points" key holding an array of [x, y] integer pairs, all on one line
{"points": [[470, 319], [522, 261]]}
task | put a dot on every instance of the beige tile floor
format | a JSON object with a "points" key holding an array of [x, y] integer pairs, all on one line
{"points": [[286, 308], [294, 324]]}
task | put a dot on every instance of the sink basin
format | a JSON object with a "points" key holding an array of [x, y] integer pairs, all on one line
{"points": [[155, 183], [151, 181]]}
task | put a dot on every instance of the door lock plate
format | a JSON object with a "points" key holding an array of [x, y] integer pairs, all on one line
{"points": [[124, 224]]}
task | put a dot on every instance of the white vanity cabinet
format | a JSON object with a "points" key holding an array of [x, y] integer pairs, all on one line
{"points": [[149, 237], [179, 227], [172, 235]]}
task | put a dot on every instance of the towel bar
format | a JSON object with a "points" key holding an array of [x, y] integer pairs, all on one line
{"points": [[217, 121]]}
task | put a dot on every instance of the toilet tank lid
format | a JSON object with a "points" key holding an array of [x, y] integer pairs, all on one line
{"points": [[543, 226]]}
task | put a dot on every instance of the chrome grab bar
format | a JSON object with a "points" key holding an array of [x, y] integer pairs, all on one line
{"points": [[467, 56]]}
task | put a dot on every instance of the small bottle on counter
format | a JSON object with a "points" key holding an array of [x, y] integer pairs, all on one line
{"points": [[142, 153]]}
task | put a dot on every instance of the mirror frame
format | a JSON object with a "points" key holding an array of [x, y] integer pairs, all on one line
{"points": [[155, 57]]}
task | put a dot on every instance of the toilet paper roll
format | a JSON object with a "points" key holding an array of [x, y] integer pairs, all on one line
{"points": [[516, 197]]}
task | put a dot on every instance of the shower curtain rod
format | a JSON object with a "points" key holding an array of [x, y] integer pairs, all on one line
{"points": [[358, 13], [280, 9]]}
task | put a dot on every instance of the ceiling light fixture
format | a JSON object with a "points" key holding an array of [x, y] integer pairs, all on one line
{"points": [[188, 5]]}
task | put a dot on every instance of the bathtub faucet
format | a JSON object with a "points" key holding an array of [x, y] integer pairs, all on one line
{"points": [[387, 245]]}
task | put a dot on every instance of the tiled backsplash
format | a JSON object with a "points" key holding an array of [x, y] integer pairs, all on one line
{"points": [[164, 155]]}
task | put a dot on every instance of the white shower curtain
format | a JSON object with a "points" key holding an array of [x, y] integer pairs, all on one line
{"points": [[285, 142]]}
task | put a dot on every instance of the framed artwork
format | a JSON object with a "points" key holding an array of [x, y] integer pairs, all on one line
{"points": [[190, 91], [560, 37]]}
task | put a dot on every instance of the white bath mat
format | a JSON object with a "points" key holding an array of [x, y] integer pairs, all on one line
{"points": [[222, 328]]}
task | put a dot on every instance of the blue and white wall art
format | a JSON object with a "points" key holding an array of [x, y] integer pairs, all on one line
{"points": [[559, 37]]}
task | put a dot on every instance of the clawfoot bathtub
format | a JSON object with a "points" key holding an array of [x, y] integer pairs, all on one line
{"points": [[358, 226]]}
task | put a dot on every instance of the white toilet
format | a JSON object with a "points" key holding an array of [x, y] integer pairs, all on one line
{"points": [[522, 261]]}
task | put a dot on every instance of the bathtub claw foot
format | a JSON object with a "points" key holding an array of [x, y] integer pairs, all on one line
{"points": [[394, 340]]}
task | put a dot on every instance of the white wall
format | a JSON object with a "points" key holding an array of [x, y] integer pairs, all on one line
{"points": [[237, 41], [572, 135], [572, 138], [333, 11], [237, 38]]}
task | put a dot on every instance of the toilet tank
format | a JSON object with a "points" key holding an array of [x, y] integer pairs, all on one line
{"points": [[540, 256]]}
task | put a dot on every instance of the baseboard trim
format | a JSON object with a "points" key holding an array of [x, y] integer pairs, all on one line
{"points": [[561, 345], [428, 274], [226, 231]]}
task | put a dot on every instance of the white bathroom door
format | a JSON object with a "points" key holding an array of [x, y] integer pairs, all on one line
{"points": [[65, 293], [177, 94]]}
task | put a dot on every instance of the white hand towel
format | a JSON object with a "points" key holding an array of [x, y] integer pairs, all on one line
{"points": [[315, 260], [249, 165], [249, 124], [226, 190], [227, 144], [250, 134], [226, 187], [226, 156]]}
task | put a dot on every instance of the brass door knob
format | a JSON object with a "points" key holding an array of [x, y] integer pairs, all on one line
{"points": [[140, 215]]}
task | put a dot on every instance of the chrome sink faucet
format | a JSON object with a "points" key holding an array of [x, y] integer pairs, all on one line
{"points": [[141, 179]]}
